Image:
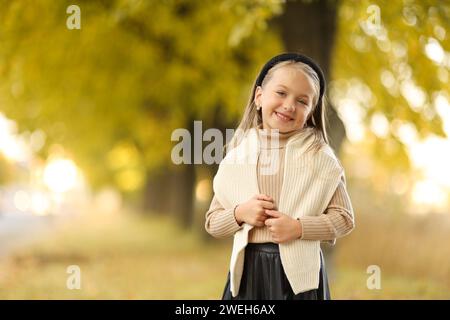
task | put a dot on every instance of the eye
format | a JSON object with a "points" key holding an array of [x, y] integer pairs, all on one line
{"points": [[281, 93], [302, 102]]}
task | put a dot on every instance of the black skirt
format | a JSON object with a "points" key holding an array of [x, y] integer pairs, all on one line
{"points": [[263, 277]]}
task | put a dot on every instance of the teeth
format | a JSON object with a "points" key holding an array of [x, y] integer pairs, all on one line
{"points": [[282, 117]]}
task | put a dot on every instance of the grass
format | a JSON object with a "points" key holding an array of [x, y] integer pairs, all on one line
{"points": [[411, 251], [352, 285], [119, 258], [133, 257]]}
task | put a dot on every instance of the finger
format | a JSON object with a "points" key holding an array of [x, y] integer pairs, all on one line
{"points": [[259, 223], [273, 213], [268, 222], [264, 197], [266, 204], [263, 218]]}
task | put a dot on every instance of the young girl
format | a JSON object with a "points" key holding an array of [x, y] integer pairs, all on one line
{"points": [[280, 190]]}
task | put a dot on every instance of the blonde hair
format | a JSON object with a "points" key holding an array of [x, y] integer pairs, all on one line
{"points": [[252, 117]]}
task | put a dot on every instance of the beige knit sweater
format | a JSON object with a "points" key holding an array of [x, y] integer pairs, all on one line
{"points": [[335, 222], [317, 178]]}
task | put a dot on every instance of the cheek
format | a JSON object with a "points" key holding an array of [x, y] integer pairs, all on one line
{"points": [[267, 112], [270, 104], [270, 100], [307, 112], [302, 115]]}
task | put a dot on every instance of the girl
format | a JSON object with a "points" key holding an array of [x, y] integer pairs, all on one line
{"points": [[280, 190]]}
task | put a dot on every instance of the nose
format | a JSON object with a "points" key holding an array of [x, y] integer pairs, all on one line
{"points": [[289, 107]]}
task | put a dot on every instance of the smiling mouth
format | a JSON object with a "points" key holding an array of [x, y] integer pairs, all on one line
{"points": [[282, 117]]}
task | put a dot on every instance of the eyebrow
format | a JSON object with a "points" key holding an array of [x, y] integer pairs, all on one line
{"points": [[301, 95]]}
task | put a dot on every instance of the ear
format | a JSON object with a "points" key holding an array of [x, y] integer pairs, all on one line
{"points": [[258, 93]]}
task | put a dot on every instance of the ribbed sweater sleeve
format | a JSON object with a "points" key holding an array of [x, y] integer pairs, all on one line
{"points": [[335, 222], [220, 222]]}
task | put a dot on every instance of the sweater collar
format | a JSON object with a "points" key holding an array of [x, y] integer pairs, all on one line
{"points": [[267, 139]]}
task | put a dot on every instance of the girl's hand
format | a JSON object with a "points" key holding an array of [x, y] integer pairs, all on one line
{"points": [[282, 227], [253, 211]]}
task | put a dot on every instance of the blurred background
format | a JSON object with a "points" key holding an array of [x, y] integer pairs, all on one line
{"points": [[86, 118]]}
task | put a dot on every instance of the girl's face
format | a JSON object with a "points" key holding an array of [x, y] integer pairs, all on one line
{"points": [[286, 99]]}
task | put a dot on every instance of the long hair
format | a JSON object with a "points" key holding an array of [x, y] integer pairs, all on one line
{"points": [[252, 117]]}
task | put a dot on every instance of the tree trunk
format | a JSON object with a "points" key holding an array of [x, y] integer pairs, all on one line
{"points": [[156, 187], [181, 195], [170, 189], [171, 192], [310, 28]]}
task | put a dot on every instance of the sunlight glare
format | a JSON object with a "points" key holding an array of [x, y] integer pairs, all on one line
{"points": [[40, 204], [22, 200], [433, 157], [203, 190], [434, 51], [11, 146], [427, 194], [60, 175]]}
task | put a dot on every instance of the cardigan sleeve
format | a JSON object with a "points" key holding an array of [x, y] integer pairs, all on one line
{"points": [[337, 220], [221, 222]]}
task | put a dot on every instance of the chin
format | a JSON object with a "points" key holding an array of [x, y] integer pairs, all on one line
{"points": [[282, 129]]}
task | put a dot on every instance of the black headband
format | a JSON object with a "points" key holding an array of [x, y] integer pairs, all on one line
{"points": [[298, 58]]}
